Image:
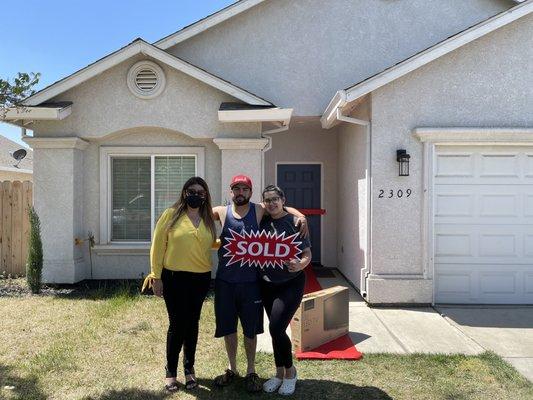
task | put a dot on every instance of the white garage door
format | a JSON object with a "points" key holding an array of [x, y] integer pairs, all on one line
{"points": [[483, 232]]}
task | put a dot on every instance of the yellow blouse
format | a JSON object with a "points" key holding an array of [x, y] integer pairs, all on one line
{"points": [[183, 248]]}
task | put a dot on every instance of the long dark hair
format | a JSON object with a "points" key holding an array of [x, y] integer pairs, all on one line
{"points": [[206, 211]]}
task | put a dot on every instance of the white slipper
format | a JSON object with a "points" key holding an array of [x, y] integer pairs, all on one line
{"points": [[288, 386], [272, 384]]}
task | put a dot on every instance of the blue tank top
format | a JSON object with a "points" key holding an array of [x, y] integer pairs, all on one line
{"points": [[236, 273]]}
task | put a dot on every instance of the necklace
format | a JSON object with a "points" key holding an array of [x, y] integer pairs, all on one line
{"points": [[195, 219]]}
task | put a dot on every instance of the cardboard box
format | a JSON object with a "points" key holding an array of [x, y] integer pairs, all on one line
{"points": [[321, 317]]}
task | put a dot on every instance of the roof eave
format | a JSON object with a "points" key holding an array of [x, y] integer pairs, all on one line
{"points": [[29, 113], [139, 46]]}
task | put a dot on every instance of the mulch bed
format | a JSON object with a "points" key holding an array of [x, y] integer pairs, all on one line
{"points": [[18, 288]]}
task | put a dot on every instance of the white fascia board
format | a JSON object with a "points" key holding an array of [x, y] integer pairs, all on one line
{"points": [[206, 23], [37, 113], [55, 142], [330, 114], [439, 50], [141, 47], [261, 115], [14, 169]]}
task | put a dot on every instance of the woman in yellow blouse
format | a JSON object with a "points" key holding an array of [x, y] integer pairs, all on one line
{"points": [[180, 259]]}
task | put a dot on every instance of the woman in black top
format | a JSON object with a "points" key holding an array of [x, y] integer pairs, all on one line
{"points": [[282, 290]]}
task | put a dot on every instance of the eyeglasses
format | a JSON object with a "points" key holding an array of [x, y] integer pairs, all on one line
{"points": [[192, 192], [271, 200]]}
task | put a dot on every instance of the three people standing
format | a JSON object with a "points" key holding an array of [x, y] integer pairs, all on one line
{"points": [[181, 271]]}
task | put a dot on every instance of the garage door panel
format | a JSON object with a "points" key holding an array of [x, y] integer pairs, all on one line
{"points": [[483, 224], [528, 283], [501, 165], [528, 168], [454, 205], [455, 165], [499, 205], [528, 205], [453, 244], [450, 284], [528, 245], [491, 283]]}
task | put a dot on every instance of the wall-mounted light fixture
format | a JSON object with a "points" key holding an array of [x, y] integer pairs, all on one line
{"points": [[403, 162]]}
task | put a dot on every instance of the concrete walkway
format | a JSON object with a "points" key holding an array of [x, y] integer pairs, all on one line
{"points": [[507, 331]]}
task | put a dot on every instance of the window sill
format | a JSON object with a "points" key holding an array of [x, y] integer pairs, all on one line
{"points": [[122, 249]]}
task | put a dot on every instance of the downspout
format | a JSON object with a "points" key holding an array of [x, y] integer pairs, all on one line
{"points": [[368, 256], [266, 134]]}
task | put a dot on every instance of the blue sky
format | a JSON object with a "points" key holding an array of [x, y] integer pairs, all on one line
{"points": [[58, 37]]}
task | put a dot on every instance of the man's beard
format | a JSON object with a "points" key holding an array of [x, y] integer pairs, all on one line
{"points": [[241, 201]]}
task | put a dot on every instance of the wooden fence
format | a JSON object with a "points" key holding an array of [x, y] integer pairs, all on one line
{"points": [[16, 198]]}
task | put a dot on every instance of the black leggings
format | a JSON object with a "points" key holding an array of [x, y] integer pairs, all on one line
{"points": [[184, 294], [281, 302]]}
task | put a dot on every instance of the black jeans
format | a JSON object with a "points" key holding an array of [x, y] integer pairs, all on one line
{"points": [[281, 302], [184, 294]]}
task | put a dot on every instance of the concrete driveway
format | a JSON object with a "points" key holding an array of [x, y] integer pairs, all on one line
{"points": [[507, 331]]}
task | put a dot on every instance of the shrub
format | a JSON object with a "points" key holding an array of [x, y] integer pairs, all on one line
{"points": [[34, 264]]}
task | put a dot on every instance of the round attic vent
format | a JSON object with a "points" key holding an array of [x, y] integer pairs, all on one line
{"points": [[146, 79]]}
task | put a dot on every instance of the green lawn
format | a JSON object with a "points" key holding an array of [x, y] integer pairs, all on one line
{"points": [[107, 342]]}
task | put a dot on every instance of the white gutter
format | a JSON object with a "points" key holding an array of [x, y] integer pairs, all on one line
{"points": [[329, 117], [338, 116], [36, 113], [266, 134]]}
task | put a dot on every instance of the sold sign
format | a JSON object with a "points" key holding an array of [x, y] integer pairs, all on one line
{"points": [[262, 249]]}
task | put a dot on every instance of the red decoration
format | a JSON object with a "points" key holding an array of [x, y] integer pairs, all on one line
{"points": [[262, 249]]}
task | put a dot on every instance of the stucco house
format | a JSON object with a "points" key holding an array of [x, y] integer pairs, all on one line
{"points": [[12, 169], [320, 98]]}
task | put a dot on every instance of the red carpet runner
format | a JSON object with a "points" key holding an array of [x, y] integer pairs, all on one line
{"points": [[338, 349]]}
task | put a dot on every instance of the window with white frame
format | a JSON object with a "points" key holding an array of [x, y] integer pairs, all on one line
{"points": [[141, 184]]}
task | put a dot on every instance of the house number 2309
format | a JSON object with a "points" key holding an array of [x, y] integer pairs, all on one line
{"points": [[390, 193]]}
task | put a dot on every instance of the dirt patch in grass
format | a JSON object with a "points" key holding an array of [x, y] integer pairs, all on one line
{"points": [[104, 341]]}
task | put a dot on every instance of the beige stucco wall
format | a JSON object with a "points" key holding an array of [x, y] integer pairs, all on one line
{"points": [[15, 176], [298, 53], [106, 113], [308, 142], [352, 193], [455, 90]]}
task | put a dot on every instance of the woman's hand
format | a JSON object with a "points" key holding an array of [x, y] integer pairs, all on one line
{"points": [[157, 287], [295, 265], [303, 227]]}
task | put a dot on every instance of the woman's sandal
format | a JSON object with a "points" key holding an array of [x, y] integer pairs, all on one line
{"points": [[288, 386], [225, 379], [272, 384], [190, 383], [172, 387]]}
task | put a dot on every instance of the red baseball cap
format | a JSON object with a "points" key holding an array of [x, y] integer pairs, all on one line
{"points": [[241, 179]]}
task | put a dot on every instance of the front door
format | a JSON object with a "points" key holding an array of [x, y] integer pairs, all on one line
{"points": [[302, 186]]}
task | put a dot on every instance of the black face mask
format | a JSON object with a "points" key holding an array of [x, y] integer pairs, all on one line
{"points": [[194, 201]]}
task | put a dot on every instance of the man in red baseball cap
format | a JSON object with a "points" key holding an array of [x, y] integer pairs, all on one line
{"points": [[237, 289]]}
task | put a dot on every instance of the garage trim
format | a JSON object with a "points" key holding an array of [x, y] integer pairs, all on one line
{"points": [[430, 138]]}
